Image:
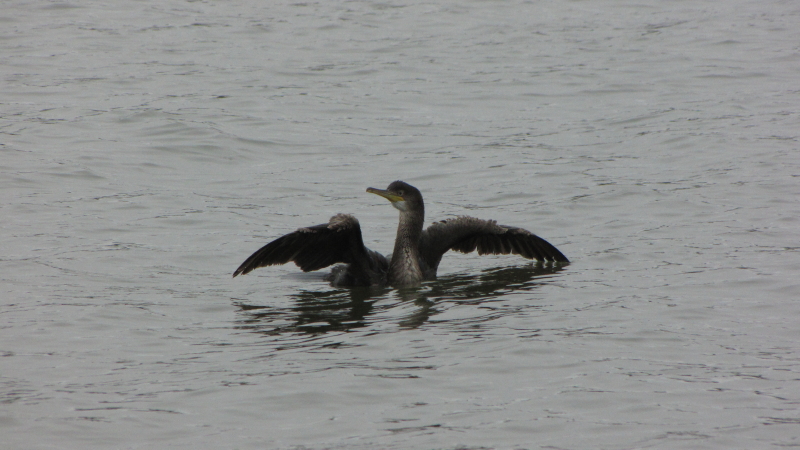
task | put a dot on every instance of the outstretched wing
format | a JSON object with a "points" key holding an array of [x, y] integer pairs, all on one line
{"points": [[466, 234], [312, 248]]}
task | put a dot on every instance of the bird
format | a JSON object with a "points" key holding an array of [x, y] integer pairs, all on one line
{"points": [[416, 254]]}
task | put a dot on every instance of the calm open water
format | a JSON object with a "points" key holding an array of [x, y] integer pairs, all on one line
{"points": [[149, 147]]}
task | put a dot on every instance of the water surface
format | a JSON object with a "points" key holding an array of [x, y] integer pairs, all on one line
{"points": [[149, 147]]}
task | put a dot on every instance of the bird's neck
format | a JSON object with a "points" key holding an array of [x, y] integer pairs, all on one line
{"points": [[404, 269]]}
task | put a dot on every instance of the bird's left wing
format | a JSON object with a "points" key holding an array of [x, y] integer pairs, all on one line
{"points": [[466, 234], [312, 248]]}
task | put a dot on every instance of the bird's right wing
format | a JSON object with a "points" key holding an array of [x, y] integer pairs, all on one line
{"points": [[466, 234], [312, 248]]}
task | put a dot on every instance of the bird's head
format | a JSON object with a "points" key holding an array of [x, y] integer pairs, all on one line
{"points": [[403, 196]]}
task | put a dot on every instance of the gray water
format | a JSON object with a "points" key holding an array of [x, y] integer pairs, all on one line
{"points": [[149, 147]]}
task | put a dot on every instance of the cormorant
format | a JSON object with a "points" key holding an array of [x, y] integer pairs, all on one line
{"points": [[417, 253]]}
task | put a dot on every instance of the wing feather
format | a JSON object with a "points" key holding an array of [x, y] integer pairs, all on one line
{"points": [[467, 234], [312, 248]]}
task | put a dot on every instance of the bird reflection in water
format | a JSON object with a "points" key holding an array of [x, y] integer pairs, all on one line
{"points": [[319, 312]]}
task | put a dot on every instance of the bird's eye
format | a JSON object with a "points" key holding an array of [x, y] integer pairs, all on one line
{"points": [[400, 193]]}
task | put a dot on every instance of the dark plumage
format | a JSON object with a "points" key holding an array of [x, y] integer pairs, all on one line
{"points": [[417, 253]]}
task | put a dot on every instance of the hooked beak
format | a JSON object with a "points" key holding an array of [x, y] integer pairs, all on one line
{"points": [[386, 194]]}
